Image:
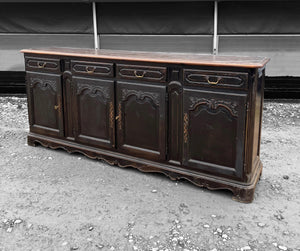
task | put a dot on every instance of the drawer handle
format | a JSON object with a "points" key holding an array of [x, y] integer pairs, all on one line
{"points": [[90, 69], [139, 76], [56, 107], [41, 64], [213, 82]]}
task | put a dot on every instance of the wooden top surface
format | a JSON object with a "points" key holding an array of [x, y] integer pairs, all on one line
{"points": [[157, 57]]}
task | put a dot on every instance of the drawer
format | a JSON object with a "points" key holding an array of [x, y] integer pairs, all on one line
{"points": [[92, 68], [42, 64], [145, 73], [237, 80]]}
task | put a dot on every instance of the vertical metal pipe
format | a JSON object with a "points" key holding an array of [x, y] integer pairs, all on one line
{"points": [[96, 42], [215, 39]]}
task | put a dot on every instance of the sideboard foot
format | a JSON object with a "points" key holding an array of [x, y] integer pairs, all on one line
{"points": [[31, 141], [246, 194], [243, 195]]}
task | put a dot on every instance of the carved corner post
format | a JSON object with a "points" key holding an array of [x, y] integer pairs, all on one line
{"points": [[69, 88], [175, 104], [254, 121], [29, 99]]}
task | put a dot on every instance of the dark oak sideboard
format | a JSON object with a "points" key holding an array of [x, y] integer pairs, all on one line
{"points": [[190, 116]]}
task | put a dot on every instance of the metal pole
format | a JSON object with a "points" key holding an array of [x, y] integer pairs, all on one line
{"points": [[215, 39], [96, 42]]}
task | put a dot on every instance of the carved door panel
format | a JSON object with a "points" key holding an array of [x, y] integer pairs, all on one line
{"points": [[141, 120], [94, 116], [45, 103], [213, 132]]}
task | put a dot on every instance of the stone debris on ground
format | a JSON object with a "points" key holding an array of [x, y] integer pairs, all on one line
{"points": [[245, 248], [52, 197], [282, 247], [260, 224]]}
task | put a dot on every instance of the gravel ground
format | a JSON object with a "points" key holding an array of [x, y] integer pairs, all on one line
{"points": [[52, 200]]}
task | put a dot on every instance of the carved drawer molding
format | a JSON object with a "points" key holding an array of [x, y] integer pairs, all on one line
{"points": [[216, 79], [142, 73]]}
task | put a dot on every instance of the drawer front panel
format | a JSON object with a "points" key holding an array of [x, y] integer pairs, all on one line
{"points": [[92, 68], [42, 64], [145, 73], [238, 80]]}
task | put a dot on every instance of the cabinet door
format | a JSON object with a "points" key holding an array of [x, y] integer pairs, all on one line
{"points": [[45, 103], [213, 132], [141, 120], [94, 116]]}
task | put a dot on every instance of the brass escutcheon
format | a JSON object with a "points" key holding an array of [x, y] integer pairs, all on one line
{"points": [[111, 114], [185, 127], [119, 117]]}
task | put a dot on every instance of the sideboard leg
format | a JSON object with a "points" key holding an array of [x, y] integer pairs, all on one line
{"points": [[243, 195], [31, 141]]}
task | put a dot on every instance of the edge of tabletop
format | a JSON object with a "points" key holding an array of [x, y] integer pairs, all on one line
{"points": [[262, 62]]}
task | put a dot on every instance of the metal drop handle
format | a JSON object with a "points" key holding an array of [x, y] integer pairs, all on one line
{"points": [[213, 82], [90, 69], [41, 64], [139, 76]]}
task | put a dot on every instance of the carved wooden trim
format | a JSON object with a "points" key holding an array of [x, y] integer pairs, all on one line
{"points": [[42, 64], [175, 129], [215, 78], [81, 68], [124, 73], [126, 93], [190, 78], [43, 84], [241, 192], [93, 91], [175, 87], [214, 104]]}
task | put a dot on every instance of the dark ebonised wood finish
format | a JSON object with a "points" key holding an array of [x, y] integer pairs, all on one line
{"points": [[187, 116]]}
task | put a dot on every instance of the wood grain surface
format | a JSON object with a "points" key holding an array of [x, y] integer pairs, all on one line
{"points": [[157, 57]]}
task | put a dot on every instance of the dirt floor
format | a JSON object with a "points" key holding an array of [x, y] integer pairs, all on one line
{"points": [[52, 200]]}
